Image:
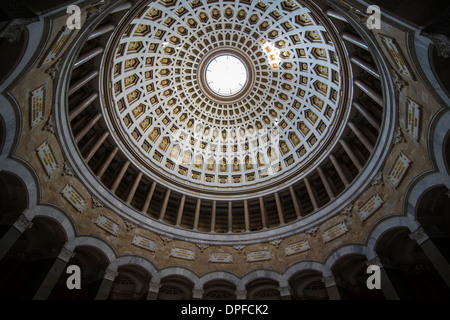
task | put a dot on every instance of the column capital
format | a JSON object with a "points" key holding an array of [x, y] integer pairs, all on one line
{"points": [[22, 223], [154, 287], [241, 294], [284, 291], [110, 274], [329, 281], [66, 254], [419, 235], [197, 293]]}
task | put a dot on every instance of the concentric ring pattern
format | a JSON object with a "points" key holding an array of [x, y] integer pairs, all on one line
{"points": [[276, 130]]}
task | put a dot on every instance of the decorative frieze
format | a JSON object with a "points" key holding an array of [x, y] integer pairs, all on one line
{"points": [[399, 169], [397, 55], [296, 247], [56, 47], [47, 157], [74, 197], [261, 255], [334, 232], [37, 106], [370, 206], [182, 253], [144, 243], [220, 257], [413, 119], [107, 224]]}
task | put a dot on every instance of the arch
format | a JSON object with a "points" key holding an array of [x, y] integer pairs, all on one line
{"points": [[175, 271], [133, 260], [343, 251], [64, 220], [222, 275], [259, 274], [94, 242], [379, 229], [304, 266], [13, 197]]}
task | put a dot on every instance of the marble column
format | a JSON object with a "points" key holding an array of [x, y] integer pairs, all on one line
{"points": [[13, 234], [153, 290], [437, 259], [106, 285], [58, 267]]}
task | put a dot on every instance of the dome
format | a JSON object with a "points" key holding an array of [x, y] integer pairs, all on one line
{"points": [[224, 149], [175, 124]]}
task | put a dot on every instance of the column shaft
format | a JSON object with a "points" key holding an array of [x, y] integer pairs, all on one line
{"points": [[97, 145], [88, 127], [361, 136], [164, 205], [262, 208], [85, 57], [326, 183], [213, 216], [83, 105], [298, 211], [311, 193], [366, 114], [230, 216], [279, 208], [366, 66], [120, 176], [134, 187], [149, 198], [107, 162], [375, 96], [356, 40], [197, 213], [77, 85], [246, 216], [180, 210], [351, 154], [339, 170]]}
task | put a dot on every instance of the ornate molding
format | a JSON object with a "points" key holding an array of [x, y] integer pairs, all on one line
{"points": [[129, 225], [22, 223], [398, 137], [276, 242], [96, 203], [50, 125], [348, 211], [239, 248], [67, 171], [329, 281], [419, 235], [110, 274], [65, 254], [312, 231], [166, 240], [202, 246], [378, 180]]}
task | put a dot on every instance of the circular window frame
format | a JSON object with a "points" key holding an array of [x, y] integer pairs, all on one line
{"points": [[203, 69]]}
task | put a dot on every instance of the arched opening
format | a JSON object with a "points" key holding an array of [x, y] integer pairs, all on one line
{"points": [[410, 271], [13, 200], [351, 278], [175, 288], [92, 263], [219, 290], [434, 216], [28, 262], [308, 285], [263, 289], [131, 283]]}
